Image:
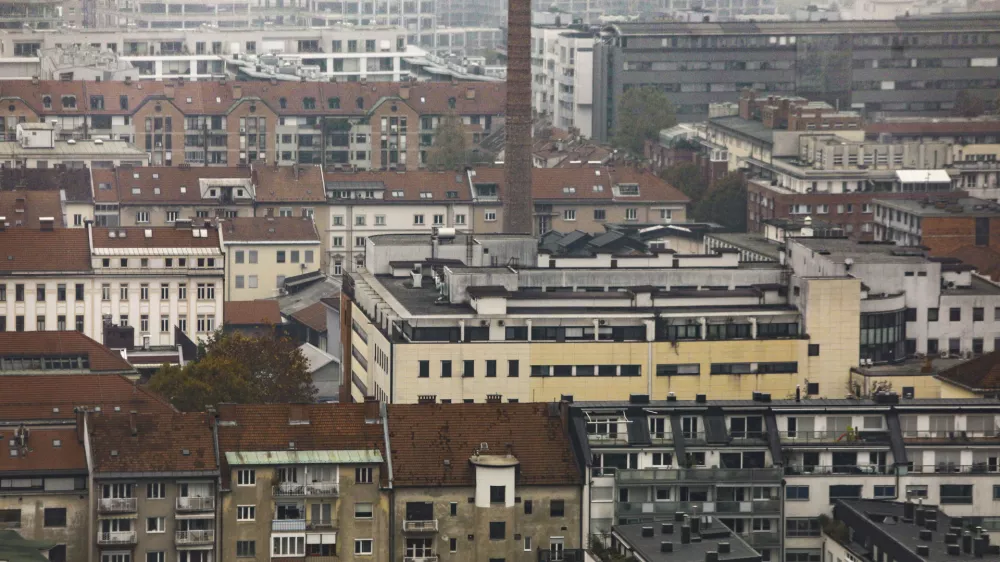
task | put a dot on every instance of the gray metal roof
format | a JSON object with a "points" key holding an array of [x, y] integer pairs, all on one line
{"points": [[754, 129]]}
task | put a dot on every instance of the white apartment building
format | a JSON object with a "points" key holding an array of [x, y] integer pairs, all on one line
{"points": [[263, 253], [154, 280], [562, 77]]}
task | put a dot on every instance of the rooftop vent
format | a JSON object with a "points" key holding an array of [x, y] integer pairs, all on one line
{"points": [[923, 550]]}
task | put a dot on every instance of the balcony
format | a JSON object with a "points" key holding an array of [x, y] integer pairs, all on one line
{"points": [[432, 558], [320, 524], [858, 470], [116, 505], [196, 504], [420, 527], [763, 538], [289, 489], [194, 537], [322, 488], [834, 437], [932, 437], [605, 439], [655, 475], [116, 538], [659, 508], [288, 525]]}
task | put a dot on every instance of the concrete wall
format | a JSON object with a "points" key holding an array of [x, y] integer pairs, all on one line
{"points": [[75, 535]]}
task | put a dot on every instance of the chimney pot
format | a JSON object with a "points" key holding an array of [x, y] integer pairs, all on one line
{"points": [[724, 547], [967, 542], [712, 556], [667, 528], [685, 534], [923, 550], [679, 516], [647, 532], [954, 550], [926, 535]]}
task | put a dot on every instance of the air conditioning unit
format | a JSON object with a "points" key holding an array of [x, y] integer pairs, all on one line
{"points": [[944, 355]]}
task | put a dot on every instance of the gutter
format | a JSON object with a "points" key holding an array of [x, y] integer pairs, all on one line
{"points": [[392, 494]]}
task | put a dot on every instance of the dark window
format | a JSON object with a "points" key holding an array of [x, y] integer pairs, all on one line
{"points": [[470, 368], [446, 369], [246, 549], [977, 346], [978, 315], [498, 530], [932, 315], [955, 314], [911, 346], [845, 492], [813, 350], [797, 492], [983, 231], [812, 388], [79, 291], [512, 367], [57, 553], [911, 315], [557, 508], [932, 346], [804, 527], [956, 493], [425, 369], [498, 494], [491, 368], [453, 544], [55, 517], [527, 507]]}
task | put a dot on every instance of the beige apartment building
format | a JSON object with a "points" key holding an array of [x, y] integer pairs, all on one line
{"points": [[155, 478], [303, 480], [262, 253]]}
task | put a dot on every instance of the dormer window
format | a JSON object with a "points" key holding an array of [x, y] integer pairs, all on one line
{"points": [[283, 103], [47, 102], [360, 102], [309, 103], [627, 190], [212, 193], [333, 103], [452, 102], [69, 102]]}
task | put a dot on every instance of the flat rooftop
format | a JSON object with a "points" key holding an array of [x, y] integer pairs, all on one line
{"points": [[909, 367], [748, 127], [647, 545], [969, 22], [979, 286], [80, 148], [748, 241], [839, 249], [965, 206]]}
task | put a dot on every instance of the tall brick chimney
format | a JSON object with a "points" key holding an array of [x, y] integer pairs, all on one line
{"points": [[517, 204]]}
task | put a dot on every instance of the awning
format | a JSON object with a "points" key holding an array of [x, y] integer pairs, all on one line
{"points": [[209, 515], [321, 538], [923, 176]]}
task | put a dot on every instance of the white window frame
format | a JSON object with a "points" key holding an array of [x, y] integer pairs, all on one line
{"points": [[246, 513], [490, 216], [246, 477], [364, 547]]}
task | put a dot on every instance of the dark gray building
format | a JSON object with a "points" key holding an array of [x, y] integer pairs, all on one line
{"points": [[907, 66]]}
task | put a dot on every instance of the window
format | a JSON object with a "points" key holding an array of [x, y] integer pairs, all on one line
{"points": [[527, 544], [157, 556], [802, 527], [956, 494], [164, 292], [682, 369], [164, 325], [55, 517], [498, 530], [955, 314], [498, 494], [206, 291], [916, 491], [61, 292], [797, 493], [460, 219], [281, 256], [491, 368], [246, 549], [363, 475], [453, 508], [362, 546], [246, 512], [978, 314], [40, 293], [513, 367], [288, 545], [569, 215], [295, 256], [142, 217], [58, 552], [844, 492], [885, 492], [123, 292], [557, 508], [246, 477], [155, 524], [490, 216], [363, 510], [425, 369], [528, 507], [631, 214], [253, 256], [469, 369], [446, 369], [813, 350], [156, 490], [932, 315], [418, 219], [599, 214]]}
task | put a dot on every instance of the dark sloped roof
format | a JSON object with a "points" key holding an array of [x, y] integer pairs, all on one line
{"points": [[313, 316], [63, 343], [74, 181], [289, 184], [53, 397], [270, 229], [26, 249], [24, 208], [981, 373], [424, 436], [162, 442]]}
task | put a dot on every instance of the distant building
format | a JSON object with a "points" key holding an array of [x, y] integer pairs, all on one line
{"points": [[684, 537], [252, 318], [37, 145], [263, 253]]}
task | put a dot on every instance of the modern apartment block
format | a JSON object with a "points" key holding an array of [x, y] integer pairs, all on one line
{"points": [[885, 67], [265, 253], [484, 482], [342, 126], [943, 227], [155, 479], [769, 468], [562, 63], [471, 317], [154, 280], [303, 480]]}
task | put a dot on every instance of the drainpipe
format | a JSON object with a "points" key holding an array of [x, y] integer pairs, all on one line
{"points": [[392, 494], [213, 420]]}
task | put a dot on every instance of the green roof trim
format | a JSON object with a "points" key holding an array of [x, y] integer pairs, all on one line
{"points": [[15, 548], [350, 456]]}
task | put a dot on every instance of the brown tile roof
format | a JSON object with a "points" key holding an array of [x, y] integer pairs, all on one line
{"points": [[424, 436], [312, 316], [102, 359], [411, 183], [333, 302], [289, 184], [37, 397], [43, 455], [32, 205], [554, 184], [249, 313], [979, 374], [105, 185], [175, 184], [985, 260], [163, 237], [75, 182], [265, 427], [269, 229], [159, 443], [62, 249]]}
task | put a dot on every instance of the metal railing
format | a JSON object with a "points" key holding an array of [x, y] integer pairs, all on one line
{"points": [[288, 525], [197, 536], [417, 526], [650, 475], [196, 504], [322, 488], [116, 505], [862, 470], [706, 507], [431, 558], [796, 437], [954, 468], [952, 435], [322, 523], [116, 537], [289, 489], [661, 437], [605, 439]]}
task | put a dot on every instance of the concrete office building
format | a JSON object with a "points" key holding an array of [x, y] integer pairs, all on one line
{"points": [[448, 320], [562, 63], [769, 468], [883, 67], [941, 226]]}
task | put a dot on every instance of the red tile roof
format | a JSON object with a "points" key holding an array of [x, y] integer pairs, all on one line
{"points": [[53, 397], [577, 183], [985, 260], [102, 359], [162, 237], [312, 316], [32, 205], [289, 184], [175, 184], [25, 249], [43, 455], [249, 313], [269, 229], [163, 442], [75, 182], [979, 374], [411, 184], [265, 427], [424, 436]]}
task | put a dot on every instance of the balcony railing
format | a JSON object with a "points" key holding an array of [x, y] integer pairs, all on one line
{"points": [[321, 523], [417, 526], [196, 504], [116, 505], [322, 488], [954, 468], [606, 439], [431, 558], [644, 476], [949, 436], [707, 507], [287, 489], [661, 437], [199, 536], [288, 525], [116, 537], [842, 437], [863, 470]]}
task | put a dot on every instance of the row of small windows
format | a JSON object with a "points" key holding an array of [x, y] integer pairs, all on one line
{"points": [[44, 362], [40, 292], [167, 262]]}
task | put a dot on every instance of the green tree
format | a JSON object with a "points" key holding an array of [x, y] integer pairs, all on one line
{"points": [[238, 368], [642, 113], [450, 150], [686, 177], [725, 203]]}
